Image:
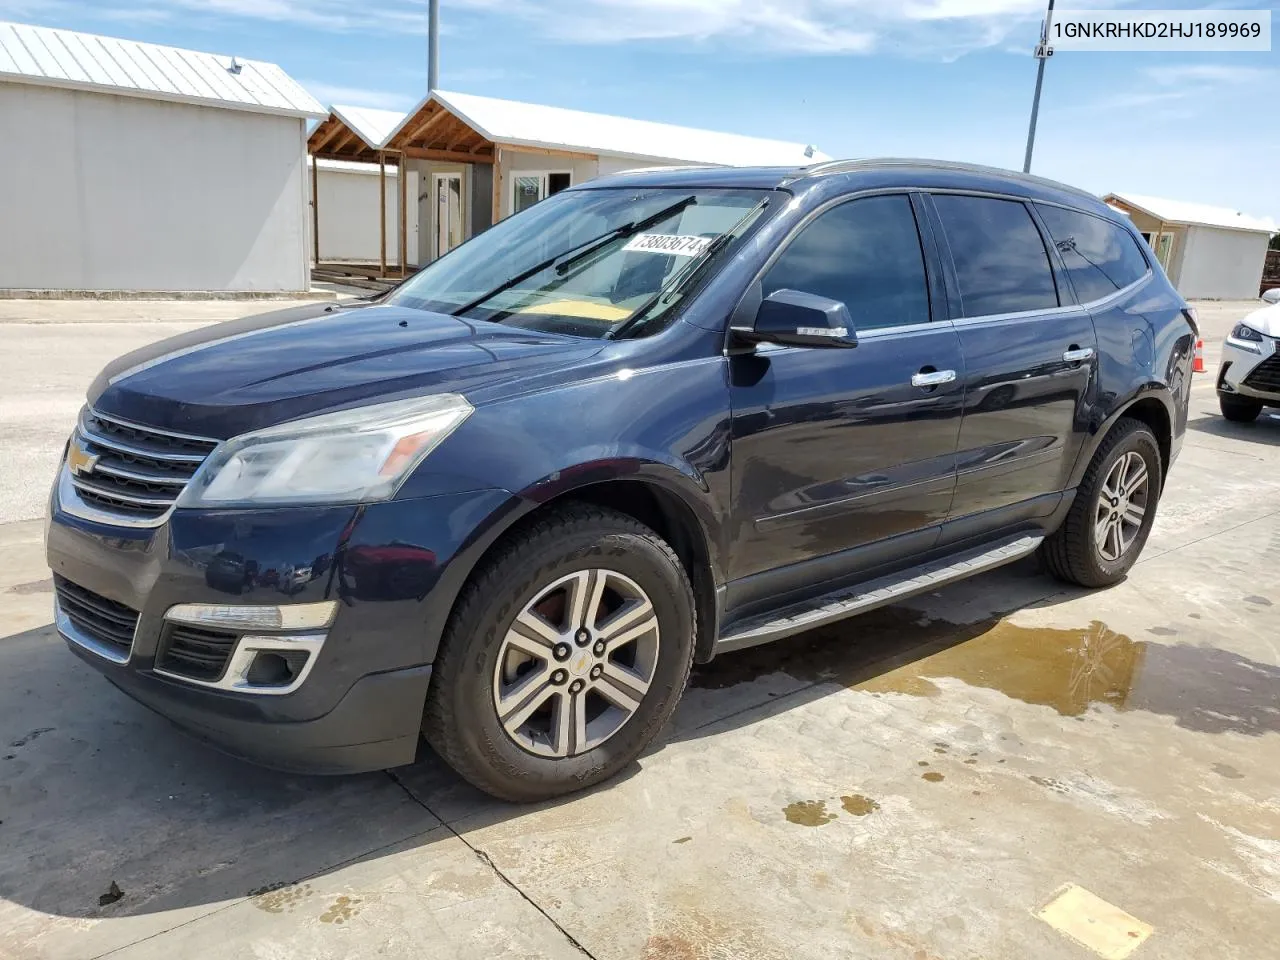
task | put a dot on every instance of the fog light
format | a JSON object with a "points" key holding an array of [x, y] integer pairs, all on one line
{"points": [[276, 669]]}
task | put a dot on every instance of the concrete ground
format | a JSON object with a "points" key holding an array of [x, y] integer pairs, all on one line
{"points": [[1004, 769]]}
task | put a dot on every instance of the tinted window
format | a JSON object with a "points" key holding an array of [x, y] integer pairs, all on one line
{"points": [[1101, 257], [1001, 263], [866, 254]]}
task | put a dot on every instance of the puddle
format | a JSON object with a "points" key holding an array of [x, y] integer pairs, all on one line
{"points": [[933, 776], [898, 651], [341, 910], [859, 805], [808, 813]]}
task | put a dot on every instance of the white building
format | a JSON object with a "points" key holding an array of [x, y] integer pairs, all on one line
{"points": [[134, 167], [1210, 253], [479, 159]]}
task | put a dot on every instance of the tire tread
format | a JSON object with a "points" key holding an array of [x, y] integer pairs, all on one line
{"points": [[487, 582]]}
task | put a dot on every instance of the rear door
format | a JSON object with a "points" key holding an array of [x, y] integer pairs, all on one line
{"points": [[1030, 358], [839, 449]]}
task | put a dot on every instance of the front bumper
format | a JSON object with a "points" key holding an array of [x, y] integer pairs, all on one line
{"points": [[1251, 374], [393, 567]]}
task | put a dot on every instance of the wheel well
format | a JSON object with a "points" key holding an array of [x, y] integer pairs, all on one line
{"points": [[1154, 414], [669, 517]]}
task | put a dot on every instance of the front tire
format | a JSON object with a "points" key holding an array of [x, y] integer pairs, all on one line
{"points": [[1111, 516], [565, 655], [1239, 409]]}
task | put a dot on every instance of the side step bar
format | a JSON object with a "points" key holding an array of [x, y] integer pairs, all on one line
{"points": [[883, 591]]}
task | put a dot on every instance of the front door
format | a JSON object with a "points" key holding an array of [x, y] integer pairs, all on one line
{"points": [[448, 191], [1030, 356], [840, 449]]}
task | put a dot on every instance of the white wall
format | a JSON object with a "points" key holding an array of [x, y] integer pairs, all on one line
{"points": [[350, 217], [1221, 264], [610, 165], [103, 192]]}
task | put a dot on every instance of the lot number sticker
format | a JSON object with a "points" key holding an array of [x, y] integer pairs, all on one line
{"points": [[668, 243]]}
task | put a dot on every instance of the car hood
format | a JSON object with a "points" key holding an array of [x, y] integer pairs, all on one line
{"points": [[1266, 320], [230, 378]]}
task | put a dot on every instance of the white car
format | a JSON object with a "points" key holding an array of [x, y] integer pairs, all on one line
{"points": [[1249, 378]]}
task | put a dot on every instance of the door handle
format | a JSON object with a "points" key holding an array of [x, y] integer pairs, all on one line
{"points": [[932, 378], [1078, 355]]}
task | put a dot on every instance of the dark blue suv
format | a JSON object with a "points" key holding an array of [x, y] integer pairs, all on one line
{"points": [[654, 418]]}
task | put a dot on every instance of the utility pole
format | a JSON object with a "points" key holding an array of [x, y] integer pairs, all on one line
{"points": [[433, 45], [1043, 53]]}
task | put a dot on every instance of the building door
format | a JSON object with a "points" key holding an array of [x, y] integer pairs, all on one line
{"points": [[448, 190], [528, 188]]}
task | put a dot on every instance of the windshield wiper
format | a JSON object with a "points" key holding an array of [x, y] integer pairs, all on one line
{"points": [[565, 259], [685, 274]]}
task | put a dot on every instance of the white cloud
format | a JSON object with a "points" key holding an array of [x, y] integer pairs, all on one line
{"points": [[1201, 74], [943, 29], [358, 96]]}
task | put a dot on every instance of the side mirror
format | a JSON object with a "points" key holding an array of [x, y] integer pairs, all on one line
{"points": [[1272, 295], [796, 319]]}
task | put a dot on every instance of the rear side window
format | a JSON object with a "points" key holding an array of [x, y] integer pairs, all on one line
{"points": [[1100, 256], [1001, 264], [864, 253]]}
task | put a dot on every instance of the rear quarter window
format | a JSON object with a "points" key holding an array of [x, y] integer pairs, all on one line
{"points": [[1101, 257], [1000, 260]]}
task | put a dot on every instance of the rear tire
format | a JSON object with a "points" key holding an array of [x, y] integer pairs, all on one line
{"points": [[1103, 534], [1239, 409], [563, 580]]}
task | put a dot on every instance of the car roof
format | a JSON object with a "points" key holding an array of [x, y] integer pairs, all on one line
{"points": [[863, 175]]}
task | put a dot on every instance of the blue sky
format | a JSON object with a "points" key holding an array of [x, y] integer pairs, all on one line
{"points": [[936, 78]]}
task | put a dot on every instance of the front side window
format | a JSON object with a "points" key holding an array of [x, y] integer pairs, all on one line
{"points": [[1101, 257], [588, 263], [1000, 260], [866, 254]]}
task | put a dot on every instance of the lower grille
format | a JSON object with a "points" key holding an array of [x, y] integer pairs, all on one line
{"points": [[194, 652], [104, 620], [1265, 376], [134, 471]]}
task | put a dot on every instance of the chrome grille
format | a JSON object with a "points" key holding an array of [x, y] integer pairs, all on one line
{"points": [[134, 471]]}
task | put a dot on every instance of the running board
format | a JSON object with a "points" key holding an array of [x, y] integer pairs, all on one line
{"points": [[862, 597]]}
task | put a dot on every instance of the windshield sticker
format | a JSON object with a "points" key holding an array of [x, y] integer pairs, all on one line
{"points": [[668, 243]]}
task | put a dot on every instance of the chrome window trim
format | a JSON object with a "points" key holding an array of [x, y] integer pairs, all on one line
{"points": [[73, 634]]}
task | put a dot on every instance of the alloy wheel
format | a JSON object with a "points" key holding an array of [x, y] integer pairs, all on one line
{"points": [[1122, 506], [576, 663]]}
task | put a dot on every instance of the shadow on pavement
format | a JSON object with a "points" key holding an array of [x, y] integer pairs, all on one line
{"points": [[1266, 429], [97, 791]]}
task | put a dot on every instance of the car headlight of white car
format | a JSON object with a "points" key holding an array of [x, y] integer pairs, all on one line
{"points": [[352, 456], [1245, 337]]}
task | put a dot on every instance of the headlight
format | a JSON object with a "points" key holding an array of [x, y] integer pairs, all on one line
{"points": [[1245, 337], [347, 457]]}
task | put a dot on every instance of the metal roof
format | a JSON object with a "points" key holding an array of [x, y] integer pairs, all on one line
{"points": [[1196, 214], [85, 61], [537, 125], [370, 125]]}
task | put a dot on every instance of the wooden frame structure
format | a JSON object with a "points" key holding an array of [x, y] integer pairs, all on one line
{"points": [[432, 132]]}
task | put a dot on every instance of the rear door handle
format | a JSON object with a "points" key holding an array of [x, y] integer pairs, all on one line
{"points": [[1078, 355], [932, 378]]}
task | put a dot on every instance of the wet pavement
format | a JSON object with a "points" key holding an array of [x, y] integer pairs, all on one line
{"points": [[1002, 769]]}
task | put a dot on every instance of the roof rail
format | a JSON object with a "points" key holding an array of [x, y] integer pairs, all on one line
{"points": [[853, 166]]}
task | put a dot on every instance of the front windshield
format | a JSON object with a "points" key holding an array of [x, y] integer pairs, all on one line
{"points": [[591, 273]]}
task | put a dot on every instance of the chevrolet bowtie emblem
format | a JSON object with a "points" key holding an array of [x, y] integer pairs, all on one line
{"points": [[79, 460]]}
